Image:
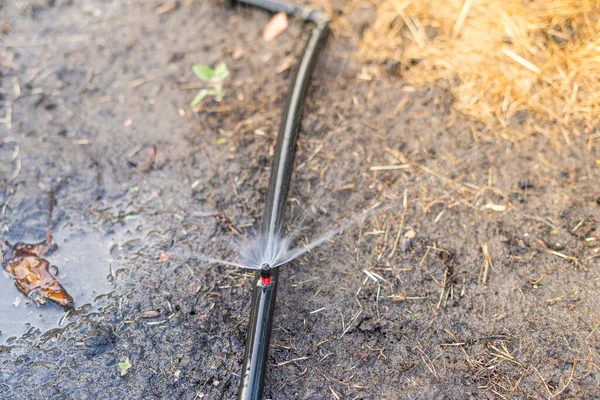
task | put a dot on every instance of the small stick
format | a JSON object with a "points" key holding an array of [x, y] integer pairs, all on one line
{"points": [[593, 330], [404, 201], [389, 167], [487, 264]]}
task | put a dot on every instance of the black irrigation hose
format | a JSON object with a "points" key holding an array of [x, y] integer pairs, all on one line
{"points": [[265, 282]]}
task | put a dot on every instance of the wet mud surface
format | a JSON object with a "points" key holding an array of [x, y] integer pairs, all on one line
{"points": [[482, 280]]}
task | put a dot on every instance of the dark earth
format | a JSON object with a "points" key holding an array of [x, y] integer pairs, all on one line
{"points": [[480, 280]]}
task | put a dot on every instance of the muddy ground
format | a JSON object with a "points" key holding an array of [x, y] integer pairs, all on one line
{"points": [[483, 278]]}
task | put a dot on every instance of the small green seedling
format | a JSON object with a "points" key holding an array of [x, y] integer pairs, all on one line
{"points": [[124, 366], [214, 76]]}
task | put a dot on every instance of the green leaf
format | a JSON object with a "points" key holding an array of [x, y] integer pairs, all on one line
{"points": [[124, 366], [203, 72], [221, 72], [199, 97], [221, 141]]}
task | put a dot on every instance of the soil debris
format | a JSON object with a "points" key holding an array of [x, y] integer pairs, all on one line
{"points": [[150, 159], [275, 27], [32, 273], [164, 256], [148, 314]]}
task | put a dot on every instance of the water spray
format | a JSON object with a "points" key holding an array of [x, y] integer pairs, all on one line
{"points": [[266, 278]]}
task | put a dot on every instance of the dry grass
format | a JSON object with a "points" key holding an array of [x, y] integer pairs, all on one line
{"points": [[499, 58]]}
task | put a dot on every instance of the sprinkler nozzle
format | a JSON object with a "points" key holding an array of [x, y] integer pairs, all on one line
{"points": [[266, 276]]}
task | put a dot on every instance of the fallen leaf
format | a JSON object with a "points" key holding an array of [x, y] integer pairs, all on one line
{"points": [[31, 272], [164, 256], [275, 27]]}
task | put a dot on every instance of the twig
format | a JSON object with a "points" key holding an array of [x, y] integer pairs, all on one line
{"points": [[404, 202], [487, 263], [593, 330]]}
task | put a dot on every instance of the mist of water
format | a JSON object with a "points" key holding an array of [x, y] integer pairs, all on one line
{"points": [[278, 250]]}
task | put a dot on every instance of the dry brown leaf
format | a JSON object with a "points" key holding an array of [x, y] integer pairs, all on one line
{"points": [[31, 272], [275, 27]]}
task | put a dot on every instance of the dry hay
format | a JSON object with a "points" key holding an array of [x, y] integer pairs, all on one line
{"points": [[499, 58]]}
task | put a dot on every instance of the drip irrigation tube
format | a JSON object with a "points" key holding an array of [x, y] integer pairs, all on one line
{"points": [[266, 280]]}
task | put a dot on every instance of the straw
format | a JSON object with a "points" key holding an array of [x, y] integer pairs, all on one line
{"points": [[518, 67]]}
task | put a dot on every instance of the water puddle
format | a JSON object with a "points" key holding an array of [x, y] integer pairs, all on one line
{"points": [[83, 269]]}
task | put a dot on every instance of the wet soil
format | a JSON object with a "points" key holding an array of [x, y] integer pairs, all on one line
{"points": [[482, 280]]}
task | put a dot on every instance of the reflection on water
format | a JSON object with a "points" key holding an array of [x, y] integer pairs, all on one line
{"points": [[83, 263]]}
